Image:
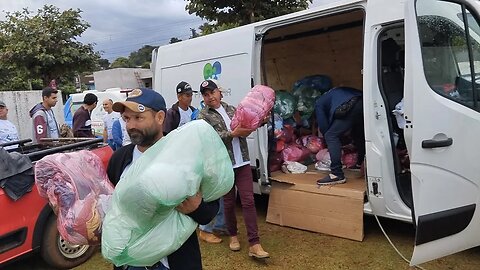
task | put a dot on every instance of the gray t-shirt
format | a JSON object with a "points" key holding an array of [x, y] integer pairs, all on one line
{"points": [[52, 124]]}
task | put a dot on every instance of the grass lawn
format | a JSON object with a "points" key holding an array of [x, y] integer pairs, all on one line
{"points": [[296, 249]]}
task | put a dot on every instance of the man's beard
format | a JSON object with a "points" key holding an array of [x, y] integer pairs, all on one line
{"points": [[144, 138]]}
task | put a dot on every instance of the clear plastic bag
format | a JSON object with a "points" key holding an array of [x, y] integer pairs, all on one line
{"points": [[143, 226], [79, 192]]}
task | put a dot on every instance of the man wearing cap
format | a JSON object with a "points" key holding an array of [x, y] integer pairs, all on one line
{"points": [[219, 115], [82, 124], [181, 112], [44, 122], [8, 131], [144, 114]]}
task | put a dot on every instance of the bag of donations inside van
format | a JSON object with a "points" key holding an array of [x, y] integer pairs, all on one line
{"points": [[142, 225]]}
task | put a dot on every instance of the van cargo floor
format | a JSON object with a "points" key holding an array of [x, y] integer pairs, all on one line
{"points": [[354, 187]]}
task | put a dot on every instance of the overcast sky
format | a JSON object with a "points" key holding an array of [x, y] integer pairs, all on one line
{"points": [[119, 27]]}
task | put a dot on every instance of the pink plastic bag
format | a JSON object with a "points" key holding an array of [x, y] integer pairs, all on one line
{"points": [[324, 161], [313, 143], [286, 134], [295, 152], [275, 161], [349, 159], [78, 190], [253, 109]]}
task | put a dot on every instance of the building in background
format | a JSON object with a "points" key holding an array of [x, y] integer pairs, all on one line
{"points": [[122, 78]]}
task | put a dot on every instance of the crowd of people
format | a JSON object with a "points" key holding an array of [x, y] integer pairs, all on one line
{"points": [[134, 125]]}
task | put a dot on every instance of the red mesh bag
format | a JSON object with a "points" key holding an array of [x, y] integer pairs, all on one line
{"points": [[253, 109], [78, 190]]}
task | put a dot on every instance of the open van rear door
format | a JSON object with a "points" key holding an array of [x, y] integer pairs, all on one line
{"points": [[442, 82]]}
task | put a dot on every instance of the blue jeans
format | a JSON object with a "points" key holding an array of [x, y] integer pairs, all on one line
{"points": [[112, 144], [352, 121], [218, 223]]}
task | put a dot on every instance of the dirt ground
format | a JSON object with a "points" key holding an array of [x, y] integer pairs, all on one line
{"points": [[296, 249]]}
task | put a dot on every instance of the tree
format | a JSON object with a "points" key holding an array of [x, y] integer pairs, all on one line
{"points": [[140, 57], [45, 45], [121, 62], [103, 64], [174, 40], [231, 13]]}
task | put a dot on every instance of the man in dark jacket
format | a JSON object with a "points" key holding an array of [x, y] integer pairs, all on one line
{"points": [[181, 112], [44, 122], [82, 124], [144, 113], [338, 111]]}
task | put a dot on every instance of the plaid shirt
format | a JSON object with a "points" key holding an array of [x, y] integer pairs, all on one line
{"points": [[216, 121]]}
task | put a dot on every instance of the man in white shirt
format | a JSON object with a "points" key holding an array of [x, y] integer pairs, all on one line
{"points": [[108, 120], [8, 131], [181, 112]]}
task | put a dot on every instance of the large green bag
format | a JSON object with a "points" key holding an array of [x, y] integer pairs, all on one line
{"points": [[142, 225]]}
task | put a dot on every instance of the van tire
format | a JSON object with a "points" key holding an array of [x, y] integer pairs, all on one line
{"points": [[58, 253]]}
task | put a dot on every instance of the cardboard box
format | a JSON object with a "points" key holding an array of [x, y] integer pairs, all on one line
{"points": [[297, 201]]}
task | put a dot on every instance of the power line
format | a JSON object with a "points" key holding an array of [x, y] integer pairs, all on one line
{"points": [[129, 50], [142, 29]]}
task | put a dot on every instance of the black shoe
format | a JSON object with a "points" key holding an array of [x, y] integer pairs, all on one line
{"points": [[331, 179], [355, 168]]}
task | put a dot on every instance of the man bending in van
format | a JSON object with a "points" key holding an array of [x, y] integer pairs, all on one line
{"points": [[338, 111], [44, 122], [181, 112]]}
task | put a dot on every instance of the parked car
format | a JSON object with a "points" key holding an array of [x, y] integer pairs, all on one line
{"points": [[29, 225]]}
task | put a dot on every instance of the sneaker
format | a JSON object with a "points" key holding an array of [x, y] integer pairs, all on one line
{"points": [[355, 168], [331, 179], [234, 244], [257, 251], [209, 237]]}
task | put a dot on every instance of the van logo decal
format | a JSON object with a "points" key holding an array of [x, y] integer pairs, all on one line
{"points": [[212, 71]]}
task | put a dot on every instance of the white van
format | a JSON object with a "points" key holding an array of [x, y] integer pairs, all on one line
{"points": [[433, 68], [76, 100]]}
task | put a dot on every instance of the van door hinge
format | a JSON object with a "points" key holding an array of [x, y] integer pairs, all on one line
{"points": [[259, 37]]}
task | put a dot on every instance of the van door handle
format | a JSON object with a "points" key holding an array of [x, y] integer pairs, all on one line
{"points": [[433, 143]]}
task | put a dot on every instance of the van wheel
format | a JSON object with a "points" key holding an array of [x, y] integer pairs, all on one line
{"points": [[59, 253]]}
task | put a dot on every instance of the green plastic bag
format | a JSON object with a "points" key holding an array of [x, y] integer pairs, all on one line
{"points": [[142, 225], [285, 104]]}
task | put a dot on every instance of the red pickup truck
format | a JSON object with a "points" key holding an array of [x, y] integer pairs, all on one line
{"points": [[29, 224]]}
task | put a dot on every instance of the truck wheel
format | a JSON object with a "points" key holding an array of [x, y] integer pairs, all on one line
{"points": [[59, 253]]}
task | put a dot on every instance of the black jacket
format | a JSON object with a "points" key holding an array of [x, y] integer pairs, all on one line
{"points": [[172, 119], [187, 257]]}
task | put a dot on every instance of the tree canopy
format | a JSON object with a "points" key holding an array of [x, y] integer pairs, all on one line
{"points": [[141, 57], [224, 14], [121, 62], [44, 45]]}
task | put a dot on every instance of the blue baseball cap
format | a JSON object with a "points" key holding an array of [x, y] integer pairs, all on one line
{"points": [[140, 100]]}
